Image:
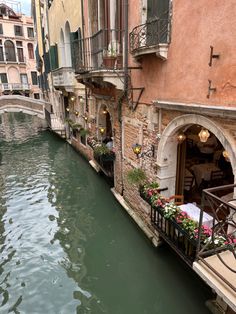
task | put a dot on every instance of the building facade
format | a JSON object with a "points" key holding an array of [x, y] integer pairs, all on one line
{"points": [[158, 95], [18, 72]]}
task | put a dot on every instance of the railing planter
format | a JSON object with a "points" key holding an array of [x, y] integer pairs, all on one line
{"points": [[174, 234]]}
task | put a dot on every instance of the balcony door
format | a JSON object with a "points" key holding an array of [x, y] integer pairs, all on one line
{"points": [[157, 21], [24, 80]]}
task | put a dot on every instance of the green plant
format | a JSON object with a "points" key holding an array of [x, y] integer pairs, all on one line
{"points": [[136, 176], [101, 149], [72, 124], [83, 132]]}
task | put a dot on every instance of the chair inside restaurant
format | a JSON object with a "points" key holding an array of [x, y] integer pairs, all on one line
{"points": [[201, 164]]}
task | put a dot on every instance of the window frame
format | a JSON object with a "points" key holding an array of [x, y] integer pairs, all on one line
{"points": [[21, 33]]}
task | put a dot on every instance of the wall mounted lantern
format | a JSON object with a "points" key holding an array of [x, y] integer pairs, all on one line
{"points": [[203, 135], [85, 118], [76, 113], [72, 98], [181, 137], [67, 109], [102, 130], [104, 111], [137, 149], [226, 155]]}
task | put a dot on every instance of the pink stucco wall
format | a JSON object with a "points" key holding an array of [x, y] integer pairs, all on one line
{"points": [[14, 69], [183, 77]]}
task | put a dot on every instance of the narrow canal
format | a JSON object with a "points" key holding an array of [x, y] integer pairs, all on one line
{"points": [[68, 247]]}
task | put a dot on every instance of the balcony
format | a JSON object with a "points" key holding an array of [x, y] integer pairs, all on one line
{"points": [[14, 87], [64, 78], [100, 56], [153, 37]]}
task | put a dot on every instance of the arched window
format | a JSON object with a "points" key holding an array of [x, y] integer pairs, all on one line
{"points": [[10, 51], [68, 45], [30, 51]]}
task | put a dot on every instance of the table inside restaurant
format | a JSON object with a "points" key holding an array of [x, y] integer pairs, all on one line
{"points": [[194, 212], [203, 171]]}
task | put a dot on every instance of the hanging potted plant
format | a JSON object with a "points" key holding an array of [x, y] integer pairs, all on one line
{"points": [[136, 176]]}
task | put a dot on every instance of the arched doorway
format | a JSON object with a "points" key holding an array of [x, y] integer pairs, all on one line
{"points": [[105, 122], [169, 157]]}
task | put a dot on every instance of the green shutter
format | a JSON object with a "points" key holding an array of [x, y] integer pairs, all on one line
{"points": [[73, 41], [53, 57]]}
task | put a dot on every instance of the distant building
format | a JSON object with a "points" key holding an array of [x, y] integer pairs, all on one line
{"points": [[18, 74]]}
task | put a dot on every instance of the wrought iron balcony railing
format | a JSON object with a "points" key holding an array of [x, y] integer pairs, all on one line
{"points": [[150, 34], [222, 243], [102, 51]]}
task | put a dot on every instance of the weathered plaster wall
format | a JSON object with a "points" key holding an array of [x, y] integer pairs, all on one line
{"points": [[196, 25], [59, 13]]}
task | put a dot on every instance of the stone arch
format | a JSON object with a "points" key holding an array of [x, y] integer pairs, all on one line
{"points": [[61, 47], [13, 75], [67, 45], [167, 148], [101, 118]]}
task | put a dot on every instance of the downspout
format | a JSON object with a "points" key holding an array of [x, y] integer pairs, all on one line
{"points": [[49, 53], [124, 95], [85, 88]]}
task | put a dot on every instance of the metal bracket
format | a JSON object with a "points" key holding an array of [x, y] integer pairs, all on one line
{"points": [[210, 89], [135, 103], [213, 56]]}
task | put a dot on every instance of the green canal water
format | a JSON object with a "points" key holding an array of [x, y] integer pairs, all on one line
{"points": [[68, 247]]}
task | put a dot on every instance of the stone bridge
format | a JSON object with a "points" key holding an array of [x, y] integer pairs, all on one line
{"points": [[31, 106]]}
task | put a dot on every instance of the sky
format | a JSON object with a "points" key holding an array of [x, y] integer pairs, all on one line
{"points": [[26, 7]]}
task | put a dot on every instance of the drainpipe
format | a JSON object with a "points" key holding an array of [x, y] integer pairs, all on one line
{"points": [[85, 88], [124, 95]]}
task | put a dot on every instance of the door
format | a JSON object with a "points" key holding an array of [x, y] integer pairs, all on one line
{"points": [[180, 169], [24, 80]]}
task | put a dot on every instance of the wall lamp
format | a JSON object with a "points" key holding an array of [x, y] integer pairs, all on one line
{"points": [[76, 113], [104, 111], [85, 118], [67, 109], [181, 137], [137, 149], [72, 98], [226, 155], [203, 135], [102, 130]]}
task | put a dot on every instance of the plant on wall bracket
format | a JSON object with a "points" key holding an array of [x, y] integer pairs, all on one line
{"points": [[83, 132], [136, 176]]}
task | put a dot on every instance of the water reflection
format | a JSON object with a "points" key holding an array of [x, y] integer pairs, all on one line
{"points": [[68, 247]]}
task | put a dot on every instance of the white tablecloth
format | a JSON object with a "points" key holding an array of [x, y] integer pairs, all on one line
{"points": [[194, 212], [203, 171]]}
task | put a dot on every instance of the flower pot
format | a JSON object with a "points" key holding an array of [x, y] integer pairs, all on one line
{"points": [[109, 62]]}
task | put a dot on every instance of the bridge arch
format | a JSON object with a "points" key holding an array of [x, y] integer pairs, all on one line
{"points": [[31, 106]]}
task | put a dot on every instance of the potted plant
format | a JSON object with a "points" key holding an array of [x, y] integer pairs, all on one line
{"points": [[109, 57], [103, 153], [136, 176]]}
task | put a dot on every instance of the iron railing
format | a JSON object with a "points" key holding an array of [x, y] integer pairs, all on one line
{"points": [[178, 239], [217, 202], [220, 201], [149, 34], [103, 50]]}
